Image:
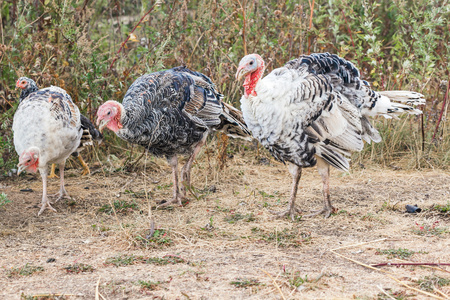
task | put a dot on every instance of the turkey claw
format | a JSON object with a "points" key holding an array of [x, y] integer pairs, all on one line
{"points": [[61, 196], [326, 211], [292, 212], [177, 201], [44, 206]]}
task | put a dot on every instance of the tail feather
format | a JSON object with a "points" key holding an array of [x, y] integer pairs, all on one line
{"points": [[233, 124], [391, 104]]}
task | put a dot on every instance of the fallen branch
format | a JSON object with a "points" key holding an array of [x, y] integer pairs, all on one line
{"points": [[444, 105], [128, 37], [275, 284], [410, 264], [387, 274]]}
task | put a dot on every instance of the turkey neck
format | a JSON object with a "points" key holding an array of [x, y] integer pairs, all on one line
{"points": [[252, 80], [26, 92]]}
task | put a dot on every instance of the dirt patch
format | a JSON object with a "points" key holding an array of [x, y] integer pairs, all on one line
{"points": [[224, 243]]}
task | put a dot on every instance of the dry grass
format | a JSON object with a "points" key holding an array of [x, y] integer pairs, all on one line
{"points": [[225, 240]]}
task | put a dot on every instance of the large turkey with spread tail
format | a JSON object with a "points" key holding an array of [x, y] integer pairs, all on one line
{"points": [[170, 113], [313, 112]]}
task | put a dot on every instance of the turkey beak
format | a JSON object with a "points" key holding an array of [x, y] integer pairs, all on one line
{"points": [[240, 73], [101, 124], [20, 169]]}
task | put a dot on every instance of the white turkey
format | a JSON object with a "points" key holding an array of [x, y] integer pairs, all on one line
{"points": [[313, 112], [170, 113], [90, 133], [47, 129]]}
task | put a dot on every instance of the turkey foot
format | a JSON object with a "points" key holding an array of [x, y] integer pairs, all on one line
{"points": [[326, 211], [61, 195], [52, 172], [177, 201], [292, 212], [45, 204], [86, 170]]}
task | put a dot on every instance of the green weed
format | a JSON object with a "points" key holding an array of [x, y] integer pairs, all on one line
{"points": [[245, 283], [428, 283], [79, 268], [26, 270], [120, 206], [4, 199], [397, 253], [237, 216]]}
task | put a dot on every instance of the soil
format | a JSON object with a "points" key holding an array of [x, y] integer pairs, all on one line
{"points": [[224, 243]]}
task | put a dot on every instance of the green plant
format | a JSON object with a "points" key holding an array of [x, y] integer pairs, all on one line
{"points": [[397, 253], [149, 285], [79, 268], [445, 208], [26, 270], [428, 283], [245, 283], [120, 206], [296, 280], [4, 199], [159, 238], [237, 216], [124, 260], [433, 229]]}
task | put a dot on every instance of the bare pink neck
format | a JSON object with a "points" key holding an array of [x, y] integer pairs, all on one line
{"points": [[252, 79]]}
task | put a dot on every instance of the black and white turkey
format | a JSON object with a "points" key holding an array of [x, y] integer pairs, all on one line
{"points": [[90, 133], [47, 129], [170, 113], [313, 112]]}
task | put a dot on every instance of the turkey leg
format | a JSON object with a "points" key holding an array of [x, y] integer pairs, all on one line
{"points": [[52, 172], [324, 170], [173, 161], [293, 209], [186, 170], [62, 191], [45, 202]]}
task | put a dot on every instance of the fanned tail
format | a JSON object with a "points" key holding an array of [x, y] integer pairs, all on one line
{"points": [[232, 123], [394, 103]]}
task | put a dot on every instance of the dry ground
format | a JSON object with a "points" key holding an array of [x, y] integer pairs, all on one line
{"points": [[225, 242]]}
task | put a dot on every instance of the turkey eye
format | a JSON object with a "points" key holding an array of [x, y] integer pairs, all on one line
{"points": [[108, 113], [251, 63]]}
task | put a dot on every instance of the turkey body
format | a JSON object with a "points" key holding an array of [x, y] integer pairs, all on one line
{"points": [[313, 111], [47, 125], [90, 133], [170, 113]]}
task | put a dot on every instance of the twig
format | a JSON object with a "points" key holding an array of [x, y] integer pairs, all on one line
{"points": [[410, 264], [274, 283], [359, 244], [441, 293], [348, 28], [384, 292], [387, 274], [311, 6], [243, 28], [444, 104], [96, 289], [128, 37]]}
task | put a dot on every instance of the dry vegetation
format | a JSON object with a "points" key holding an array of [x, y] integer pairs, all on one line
{"points": [[110, 241], [224, 242]]}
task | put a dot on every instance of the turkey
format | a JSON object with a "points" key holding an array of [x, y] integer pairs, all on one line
{"points": [[170, 113], [313, 112], [90, 133], [47, 129]]}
